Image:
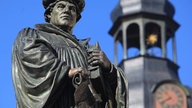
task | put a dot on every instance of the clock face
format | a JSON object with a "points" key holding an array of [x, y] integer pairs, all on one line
{"points": [[170, 95]]}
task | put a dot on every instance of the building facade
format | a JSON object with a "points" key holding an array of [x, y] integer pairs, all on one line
{"points": [[147, 26]]}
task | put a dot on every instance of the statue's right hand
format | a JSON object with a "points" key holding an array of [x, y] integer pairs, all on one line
{"points": [[83, 71]]}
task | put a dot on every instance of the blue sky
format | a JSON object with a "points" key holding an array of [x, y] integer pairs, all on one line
{"points": [[95, 23]]}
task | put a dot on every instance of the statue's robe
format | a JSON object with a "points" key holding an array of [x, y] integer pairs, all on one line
{"points": [[41, 60]]}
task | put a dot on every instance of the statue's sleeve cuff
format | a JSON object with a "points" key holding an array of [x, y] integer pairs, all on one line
{"points": [[111, 76], [112, 73]]}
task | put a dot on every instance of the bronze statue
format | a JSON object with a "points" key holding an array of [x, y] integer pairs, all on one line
{"points": [[51, 68]]}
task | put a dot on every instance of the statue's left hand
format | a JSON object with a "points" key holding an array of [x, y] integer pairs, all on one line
{"points": [[98, 58]]}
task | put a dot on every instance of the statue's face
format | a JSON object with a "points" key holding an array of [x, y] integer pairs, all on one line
{"points": [[63, 14]]}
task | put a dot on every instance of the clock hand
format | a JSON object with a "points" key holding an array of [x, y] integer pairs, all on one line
{"points": [[168, 97], [164, 100]]}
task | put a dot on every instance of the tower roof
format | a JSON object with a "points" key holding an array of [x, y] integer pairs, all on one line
{"points": [[128, 7]]}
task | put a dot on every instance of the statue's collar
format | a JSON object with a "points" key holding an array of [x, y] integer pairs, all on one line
{"points": [[50, 28]]}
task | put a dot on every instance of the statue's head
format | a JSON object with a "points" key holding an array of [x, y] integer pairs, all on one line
{"points": [[59, 12]]}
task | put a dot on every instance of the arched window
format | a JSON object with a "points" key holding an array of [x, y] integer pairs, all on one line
{"points": [[153, 39], [133, 35]]}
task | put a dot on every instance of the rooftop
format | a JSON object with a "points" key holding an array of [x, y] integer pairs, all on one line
{"points": [[128, 7]]}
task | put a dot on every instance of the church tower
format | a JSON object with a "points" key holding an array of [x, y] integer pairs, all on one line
{"points": [[147, 26]]}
